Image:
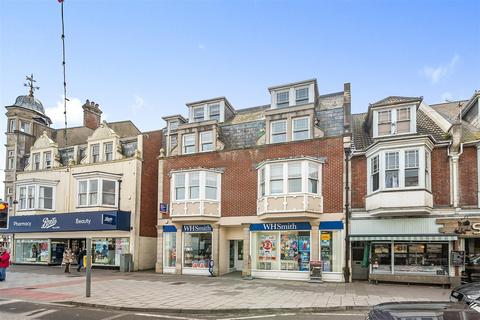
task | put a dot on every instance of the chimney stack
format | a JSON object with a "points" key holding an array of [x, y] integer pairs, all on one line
{"points": [[92, 115]]}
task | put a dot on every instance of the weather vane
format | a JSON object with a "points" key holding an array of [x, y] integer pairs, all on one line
{"points": [[31, 84]]}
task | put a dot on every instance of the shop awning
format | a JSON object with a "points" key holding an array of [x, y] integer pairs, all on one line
{"points": [[403, 237]]}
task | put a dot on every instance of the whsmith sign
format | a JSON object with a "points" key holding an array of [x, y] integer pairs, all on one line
{"points": [[197, 228], [85, 221], [280, 226]]}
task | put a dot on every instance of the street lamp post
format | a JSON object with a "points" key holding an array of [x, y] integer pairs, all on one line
{"points": [[88, 268]]}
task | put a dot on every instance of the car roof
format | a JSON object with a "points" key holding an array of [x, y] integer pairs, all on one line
{"points": [[430, 310]]}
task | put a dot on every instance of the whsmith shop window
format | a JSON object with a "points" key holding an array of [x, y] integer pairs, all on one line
{"points": [[331, 246], [421, 258], [169, 249], [281, 247], [197, 248]]}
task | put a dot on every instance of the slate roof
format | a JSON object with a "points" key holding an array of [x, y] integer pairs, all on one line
{"points": [[449, 110], [395, 100], [79, 135], [362, 138]]}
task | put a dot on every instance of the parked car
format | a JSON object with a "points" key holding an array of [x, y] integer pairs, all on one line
{"points": [[467, 293], [472, 268], [424, 311]]}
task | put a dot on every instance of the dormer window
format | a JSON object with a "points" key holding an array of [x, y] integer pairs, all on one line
{"points": [[198, 114], [95, 153], [48, 159], [395, 121], [279, 131], [188, 143], [108, 151], [301, 95], [206, 141], [173, 125], [214, 112], [282, 99], [36, 161]]}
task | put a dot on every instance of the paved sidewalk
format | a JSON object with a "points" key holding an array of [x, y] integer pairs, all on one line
{"points": [[147, 290]]}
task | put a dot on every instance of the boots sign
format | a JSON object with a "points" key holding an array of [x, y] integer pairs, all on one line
{"points": [[466, 227]]}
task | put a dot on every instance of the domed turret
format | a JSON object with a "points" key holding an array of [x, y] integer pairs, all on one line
{"points": [[29, 102]]}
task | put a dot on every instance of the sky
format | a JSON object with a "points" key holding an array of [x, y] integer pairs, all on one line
{"points": [[144, 59]]}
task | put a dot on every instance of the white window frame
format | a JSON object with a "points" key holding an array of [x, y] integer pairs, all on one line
{"points": [[95, 157], [23, 203], [25, 126], [204, 142], [394, 116], [210, 106], [284, 103], [184, 145], [36, 161], [193, 114], [374, 172], [47, 160], [302, 100], [305, 164], [272, 134], [99, 202], [424, 165], [294, 120], [107, 152], [202, 186], [173, 125]]}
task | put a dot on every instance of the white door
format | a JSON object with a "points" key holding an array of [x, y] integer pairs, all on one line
{"points": [[239, 255]]}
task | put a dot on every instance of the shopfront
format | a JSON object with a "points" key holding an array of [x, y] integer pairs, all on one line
{"points": [[281, 250], [405, 250], [42, 239], [331, 250], [169, 249], [197, 249]]}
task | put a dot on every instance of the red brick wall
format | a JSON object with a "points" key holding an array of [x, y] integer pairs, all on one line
{"points": [[91, 120], [239, 181], [467, 167], [152, 142], [359, 181], [440, 177]]}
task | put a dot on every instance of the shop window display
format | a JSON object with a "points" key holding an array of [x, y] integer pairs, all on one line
{"points": [[286, 251], [31, 251], [330, 251], [170, 249], [381, 258], [197, 250], [107, 251], [424, 258]]}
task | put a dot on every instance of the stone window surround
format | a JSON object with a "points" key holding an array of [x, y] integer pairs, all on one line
{"points": [[196, 128], [289, 114], [311, 85]]}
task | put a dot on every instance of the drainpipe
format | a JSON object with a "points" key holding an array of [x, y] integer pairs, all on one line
{"points": [[348, 150], [119, 192]]}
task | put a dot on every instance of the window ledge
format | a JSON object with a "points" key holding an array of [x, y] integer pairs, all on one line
{"points": [[304, 203], [195, 208], [400, 202]]}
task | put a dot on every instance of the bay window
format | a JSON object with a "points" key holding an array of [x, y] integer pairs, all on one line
{"points": [[391, 170], [35, 197], [279, 131], [301, 129], [201, 185], [400, 169], [97, 192], [188, 143], [296, 176], [206, 141]]}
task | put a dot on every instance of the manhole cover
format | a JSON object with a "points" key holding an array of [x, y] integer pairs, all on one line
{"points": [[177, 283]]}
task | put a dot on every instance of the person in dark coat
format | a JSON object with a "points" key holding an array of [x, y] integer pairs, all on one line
{"points": [[81, 253]]}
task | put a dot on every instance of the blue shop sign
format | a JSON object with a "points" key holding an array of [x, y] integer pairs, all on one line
{"points": [[280, 226], [197, 228], [331, 225], [169, 228], [81, 221]]}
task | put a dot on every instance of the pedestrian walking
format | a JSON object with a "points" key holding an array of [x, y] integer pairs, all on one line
{"points": [[4, 263], [81, 254], [67, 259]]}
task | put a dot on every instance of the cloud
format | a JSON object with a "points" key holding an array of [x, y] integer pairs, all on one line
{"points": [[435, 74], [74, 113], [138, 104], [202, 47], [446, 96]]}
